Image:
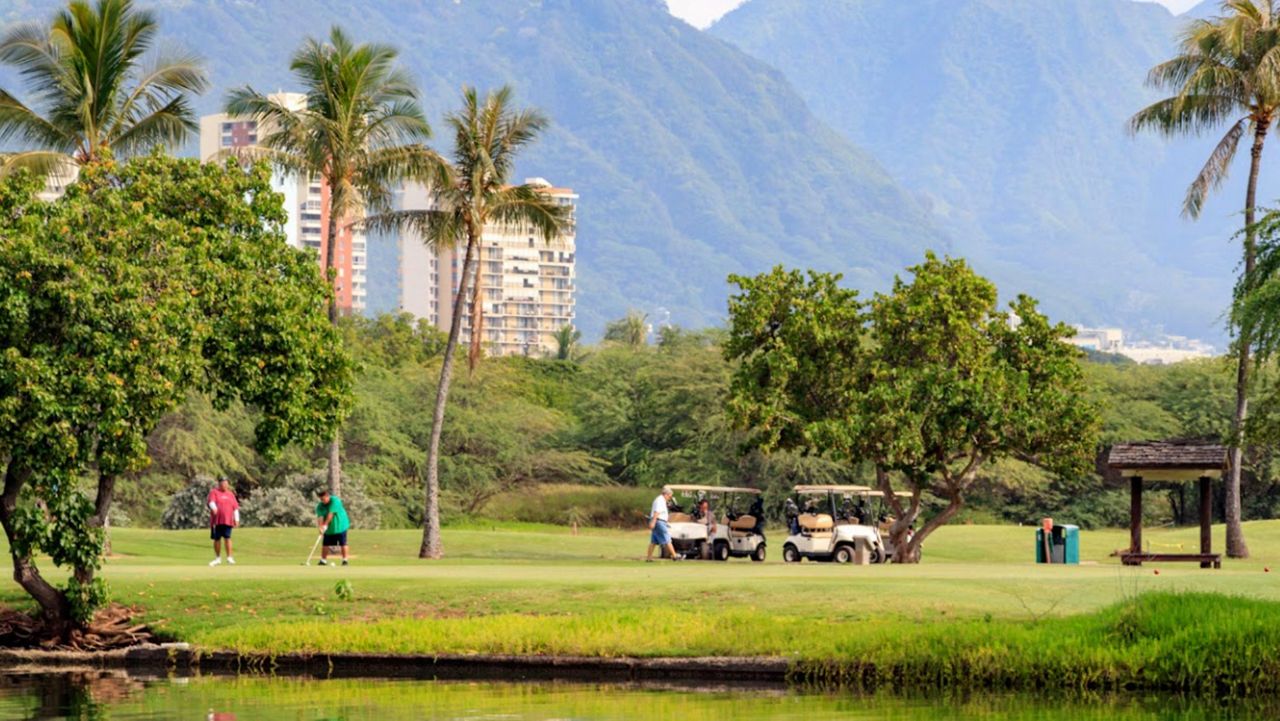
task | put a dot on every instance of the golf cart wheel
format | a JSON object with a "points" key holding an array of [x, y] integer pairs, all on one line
{"points": [[758, 554], [843, 554], [790, 554], [721, 551], [877, 554]]}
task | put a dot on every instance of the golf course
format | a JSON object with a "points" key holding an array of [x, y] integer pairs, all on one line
{"points": [[541, 590]]}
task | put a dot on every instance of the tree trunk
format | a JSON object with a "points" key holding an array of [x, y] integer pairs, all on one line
{"points": [[911, 552], [902, 518], [55, 610], [477, 314], [101, 513], [1236, 547], [334, 476], [431, 545]]}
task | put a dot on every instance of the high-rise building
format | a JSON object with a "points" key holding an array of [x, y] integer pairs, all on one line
{"points": [[306, 201], [527, 286]]}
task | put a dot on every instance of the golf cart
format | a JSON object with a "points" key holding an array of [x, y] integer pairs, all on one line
{"points": [[738, 532], [825, 525]]}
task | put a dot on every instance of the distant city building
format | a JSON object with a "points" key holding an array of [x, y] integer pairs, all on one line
{"points": [[1104, 340], [305, 200], [528, 286], [1163, 350]]}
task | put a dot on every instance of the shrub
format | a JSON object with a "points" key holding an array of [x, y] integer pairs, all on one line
{"points": [[187, 507], [293, 503], [276, 507]]}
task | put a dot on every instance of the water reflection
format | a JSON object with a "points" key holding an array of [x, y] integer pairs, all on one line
{"points": [[97, 695]]}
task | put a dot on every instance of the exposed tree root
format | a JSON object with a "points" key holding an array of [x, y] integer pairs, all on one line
{"points": [[112, 627]]}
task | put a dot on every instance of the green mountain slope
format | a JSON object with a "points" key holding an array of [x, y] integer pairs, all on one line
{"points": [[692, 159], [1009, 118]]}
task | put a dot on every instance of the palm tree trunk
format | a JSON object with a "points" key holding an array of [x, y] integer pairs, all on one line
{"points": [[1236, 546], [335, 443], [477, 319], [431, 545]]}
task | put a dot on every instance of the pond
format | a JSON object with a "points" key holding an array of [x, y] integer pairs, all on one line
{"points": [[111, 696]]}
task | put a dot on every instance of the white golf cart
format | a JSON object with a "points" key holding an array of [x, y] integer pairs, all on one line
{"points": [[730, 531], [824, 526]]}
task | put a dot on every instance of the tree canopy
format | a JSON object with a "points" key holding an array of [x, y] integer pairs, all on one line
{"points": [[145, 282], [929, 382]]}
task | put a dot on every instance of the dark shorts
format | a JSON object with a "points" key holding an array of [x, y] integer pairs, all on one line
{"points": [[335, 539], [220, 531]]}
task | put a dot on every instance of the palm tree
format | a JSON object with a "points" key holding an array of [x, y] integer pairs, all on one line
{"points": [[467, 195], [567, 339], [359, 130], [1227, 71], [92, 94], [631, 330]]}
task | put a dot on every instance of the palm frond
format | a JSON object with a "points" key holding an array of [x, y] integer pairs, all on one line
{"points": [[1215, 169], [436, 228], [41, 163], [529, 207], [19, 121], [167, 125]]}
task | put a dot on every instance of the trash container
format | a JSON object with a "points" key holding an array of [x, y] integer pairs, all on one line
{"points": [[1064, 544]]}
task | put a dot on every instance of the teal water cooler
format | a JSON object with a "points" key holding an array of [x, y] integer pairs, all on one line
{"points": [[1063, 546]]}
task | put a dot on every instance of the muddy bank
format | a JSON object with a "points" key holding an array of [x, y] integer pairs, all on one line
{"points": [[176, 659]]}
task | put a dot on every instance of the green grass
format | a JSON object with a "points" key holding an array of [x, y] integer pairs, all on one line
{"points": [[976, 603]]}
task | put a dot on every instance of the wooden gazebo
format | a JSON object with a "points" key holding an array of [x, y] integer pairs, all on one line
{"points": [[1178, 462]]}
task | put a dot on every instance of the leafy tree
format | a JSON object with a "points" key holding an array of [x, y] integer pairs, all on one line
{"points": [[1227, 71], [929, 382], [360, 131], [468, 194], [142, 284], [94, 97], [632, 330]]}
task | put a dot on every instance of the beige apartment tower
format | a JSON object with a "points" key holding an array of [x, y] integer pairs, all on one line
{"points": [[305, 200], [528, 286]]}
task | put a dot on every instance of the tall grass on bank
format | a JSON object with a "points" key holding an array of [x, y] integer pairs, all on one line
{"points": [[1203, 644]]}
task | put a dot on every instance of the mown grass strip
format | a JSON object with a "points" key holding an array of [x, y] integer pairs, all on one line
{"points": [[1203, 644]]}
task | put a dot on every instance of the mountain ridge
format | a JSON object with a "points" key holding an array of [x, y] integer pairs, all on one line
{"points": [[692, 159], [1009, 119]]}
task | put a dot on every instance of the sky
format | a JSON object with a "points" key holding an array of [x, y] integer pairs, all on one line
{"points": [[701, 13]]}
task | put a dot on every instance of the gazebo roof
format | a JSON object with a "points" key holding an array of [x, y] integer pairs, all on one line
{"points": [[1168, 455]]}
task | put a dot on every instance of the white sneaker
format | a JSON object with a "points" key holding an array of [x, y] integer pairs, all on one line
{"points": [[215, 562], [231, 560]]}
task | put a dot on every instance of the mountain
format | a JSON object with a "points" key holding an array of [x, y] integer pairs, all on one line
{"points": [[1008, 119], [692, 159]]}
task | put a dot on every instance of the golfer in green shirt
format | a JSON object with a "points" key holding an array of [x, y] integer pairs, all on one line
{"points": [[331, 519]]}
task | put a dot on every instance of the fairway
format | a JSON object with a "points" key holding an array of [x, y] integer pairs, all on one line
{"points": [[523, 573]]}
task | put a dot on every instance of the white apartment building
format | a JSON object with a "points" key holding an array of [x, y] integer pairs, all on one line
{"points": [[304, 200], [528, 287]]}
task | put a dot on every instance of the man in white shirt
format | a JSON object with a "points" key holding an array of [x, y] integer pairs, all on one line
{"points": [[659, 528]]}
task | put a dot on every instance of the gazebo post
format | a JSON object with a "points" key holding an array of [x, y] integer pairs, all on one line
{"points": [[1206, 519], [1135, 514]]}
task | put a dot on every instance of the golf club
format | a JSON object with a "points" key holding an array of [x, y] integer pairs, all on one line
{"points": [[314, 546]]}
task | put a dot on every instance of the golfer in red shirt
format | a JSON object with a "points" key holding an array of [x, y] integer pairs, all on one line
{"points": [[224, 514]]}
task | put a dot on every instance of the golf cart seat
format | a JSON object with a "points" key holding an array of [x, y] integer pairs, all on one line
{"points": [[817, 525], [742, 526], [677, 517]]}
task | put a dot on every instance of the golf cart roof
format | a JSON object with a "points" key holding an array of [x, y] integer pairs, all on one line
{"points": [[880, 494], [832, 489], [712, 489]]}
